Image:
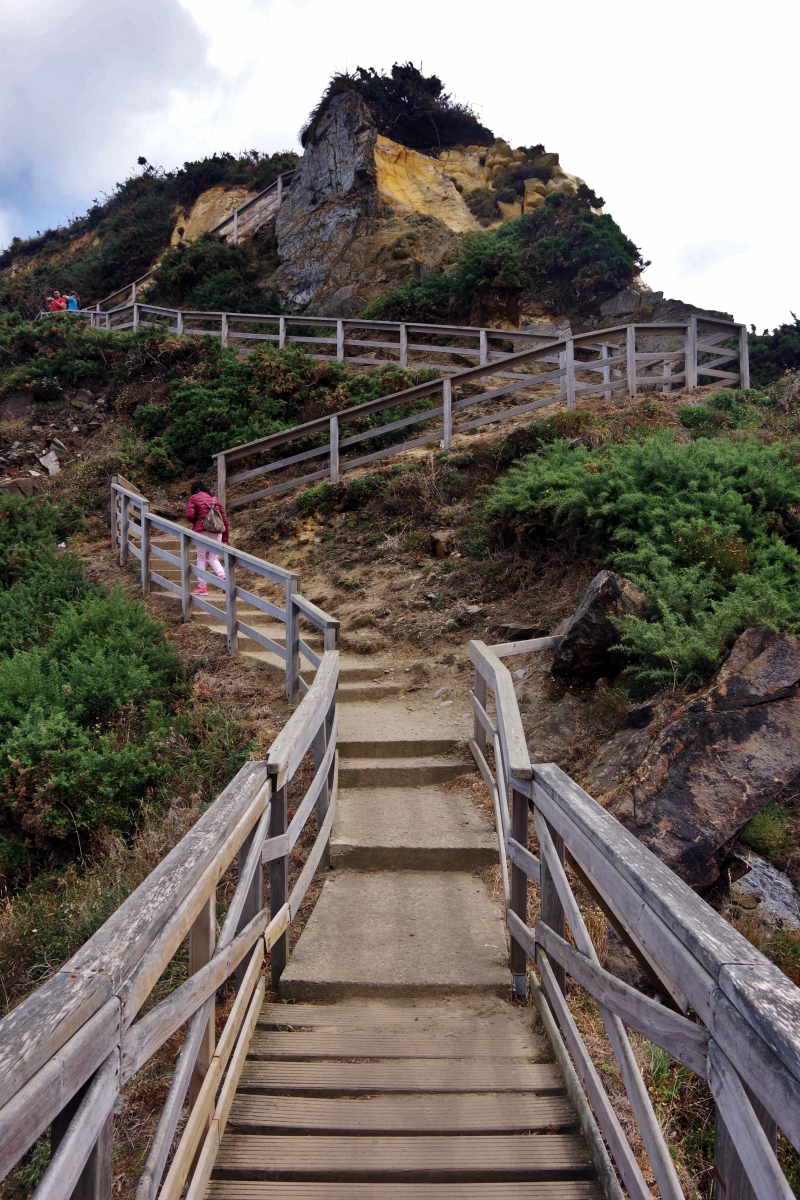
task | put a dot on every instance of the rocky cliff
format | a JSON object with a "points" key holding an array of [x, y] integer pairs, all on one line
{"points": [[366, 213]]}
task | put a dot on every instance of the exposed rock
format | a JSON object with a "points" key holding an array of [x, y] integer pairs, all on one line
{"points": [[17, 404], [640, 715], [411, 182], [585, 652], [208, 211], [721, 760], [519, 633], [550, 739], [617, 759], [23, 485], [442, 542], [766, 890]]}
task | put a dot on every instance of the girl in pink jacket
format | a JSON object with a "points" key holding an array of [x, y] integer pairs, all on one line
{"points": [[201, 501]]}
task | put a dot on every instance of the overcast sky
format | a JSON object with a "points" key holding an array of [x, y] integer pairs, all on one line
{"points": [[684, 116]]}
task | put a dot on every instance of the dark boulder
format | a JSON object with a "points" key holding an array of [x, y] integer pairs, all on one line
{"points": [[726, 754], [585, 652]]}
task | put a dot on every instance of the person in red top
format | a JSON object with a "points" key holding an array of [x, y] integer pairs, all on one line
{"points": [[58, 303], [199, 506]]}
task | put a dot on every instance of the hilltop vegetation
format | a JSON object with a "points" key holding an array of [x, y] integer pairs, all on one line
{"points": [[120, 237]]}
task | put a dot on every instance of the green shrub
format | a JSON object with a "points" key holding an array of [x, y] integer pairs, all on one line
{"points": [[123, 236], [768, 832], [722, 410], [563, 255], [772, 354], [702, 527], [407, 106], [212, 275]]}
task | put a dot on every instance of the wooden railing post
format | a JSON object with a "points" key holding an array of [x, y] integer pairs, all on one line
{"points": [[223, 330], [551, 907], [280, 190], [222, 478], [730, 1178], [479, 733], [321, 740], [519, 885], [447, 402], [334, 441], [231, 614], [281, 332], [744, 359], [179, 325], [570, 368], [202, 938], [403, 346], [236, 228], [292, 644], [606, 354], [96, 1178], [691, 354], [483, 348], [631, 357], [114, 512], [123, 532], [133, 292], [253, 903], [144, 545], [340, 340], [135, 312], [186, 576], [278, 885]]}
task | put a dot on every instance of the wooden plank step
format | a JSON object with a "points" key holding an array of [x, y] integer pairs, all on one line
{"points": [[486, 1113], [354, 1017], [455, 1159], [403, 1075], [274, 1045], [259, 1189]]}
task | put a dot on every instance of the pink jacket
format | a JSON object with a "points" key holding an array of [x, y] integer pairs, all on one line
{"points": [[198, 509]]}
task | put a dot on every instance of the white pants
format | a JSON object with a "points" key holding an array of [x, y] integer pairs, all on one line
{"points": [[213, 560]]}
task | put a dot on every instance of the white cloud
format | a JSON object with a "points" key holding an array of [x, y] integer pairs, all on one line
{"points": [[689, 147], [701, 257]]}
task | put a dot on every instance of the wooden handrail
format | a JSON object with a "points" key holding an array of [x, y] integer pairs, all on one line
{"points": [[745, 1038]]}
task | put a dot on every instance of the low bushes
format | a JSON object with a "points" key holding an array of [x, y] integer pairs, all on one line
{"points": [[709, 529], [213, 275], [563, 255], [93, 716]]}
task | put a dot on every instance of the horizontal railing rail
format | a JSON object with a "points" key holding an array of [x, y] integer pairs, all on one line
{"points": [[729, 1014], [68, 1049], [627, 358], [133, 529]]}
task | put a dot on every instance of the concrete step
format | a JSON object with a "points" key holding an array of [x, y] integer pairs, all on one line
{"points": [[395, 933], [401, 772], [356, 693], [350, 748], [410, 829]]}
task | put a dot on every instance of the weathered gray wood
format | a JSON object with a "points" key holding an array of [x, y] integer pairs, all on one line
{"points": [[38, 1103], [569, 364], [80, 1166], [249, 896], [447, 407], [230, 603], [680, 1037], [292, 644], [279, 847], [752, 1144], [631, 355], [291, 744], [32, 1033], [594, 1139], [260, 603], [509, 722], [314, 614], [186, 575], [261, 639], [479, 693], [607, 1119], [144, 555], [267, 468], [519, 888], [691, 354], [523, 859], [552, 909], [318, 850], [334, 448], [506, 649], [278, 884], [730, 1177], [744, 358], [202, 937]]}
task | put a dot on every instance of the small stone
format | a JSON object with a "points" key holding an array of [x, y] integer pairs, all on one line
{"points": [[442, 542], [521, 673], [442, 691], [446, 704], [473, 609], [452, 624]]}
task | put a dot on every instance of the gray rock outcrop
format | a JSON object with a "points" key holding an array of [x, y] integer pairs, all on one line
{"points": [[585, 652], [726, 754]]}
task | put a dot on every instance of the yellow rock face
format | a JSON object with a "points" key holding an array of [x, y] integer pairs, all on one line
{"points": [[411, 182], [208, 210]]}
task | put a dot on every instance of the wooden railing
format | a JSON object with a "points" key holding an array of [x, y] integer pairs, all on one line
{"points": [[726, 1012], [132, 528], [67, 1050], [628, 358], [245, 220]]}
